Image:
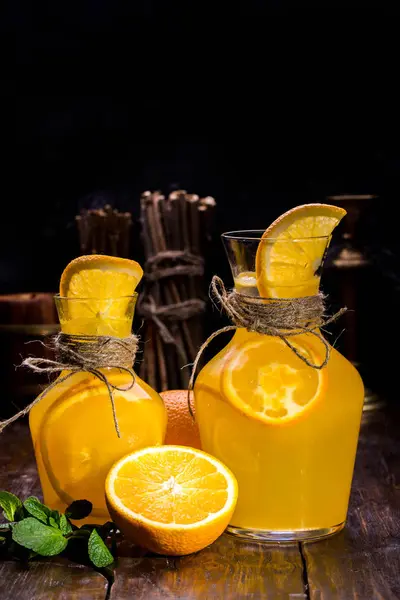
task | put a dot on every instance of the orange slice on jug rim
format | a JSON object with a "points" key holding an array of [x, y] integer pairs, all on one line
{"points": [[99, 289], [100, 276], [292, 249]]}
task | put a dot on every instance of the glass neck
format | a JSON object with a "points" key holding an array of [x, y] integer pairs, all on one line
{"points": [[96, 316], [246, 283], [275, 267]]}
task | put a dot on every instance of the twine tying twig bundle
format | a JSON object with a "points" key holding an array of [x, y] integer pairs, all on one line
{"points": [[279, 317], [76, 353], [178, 311], [183, 263]]}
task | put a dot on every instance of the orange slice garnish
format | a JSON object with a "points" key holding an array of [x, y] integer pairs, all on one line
{"points": [[291, 251], [99, 276], [99, 289]]}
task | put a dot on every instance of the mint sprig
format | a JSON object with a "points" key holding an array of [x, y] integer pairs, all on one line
{"points": [[35, 529]]}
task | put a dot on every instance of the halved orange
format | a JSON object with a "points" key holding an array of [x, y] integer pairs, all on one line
{"points": [[265, 380], [292, 249], [99, 290], [171, 499]]}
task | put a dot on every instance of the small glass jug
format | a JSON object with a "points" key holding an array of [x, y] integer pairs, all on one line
{"points": [[72, 425]]}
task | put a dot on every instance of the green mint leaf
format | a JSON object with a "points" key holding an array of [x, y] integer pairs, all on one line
{"points": [[40, 538], [11, 505], [53, 523], [38, 510], [64, 525], [79, 509], [2, 539], [6, 526], [55, 516], [99, 554]]}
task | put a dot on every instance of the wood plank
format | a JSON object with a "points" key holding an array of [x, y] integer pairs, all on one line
{"points": [[57, 579], [18, 473], [41, 579], [228, 569], [363, 561]]}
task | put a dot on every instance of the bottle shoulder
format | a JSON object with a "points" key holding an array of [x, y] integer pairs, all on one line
{"points": [[82, 387], [244, 344]]}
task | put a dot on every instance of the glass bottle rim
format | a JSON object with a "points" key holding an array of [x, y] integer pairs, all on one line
{"points": [[85, 298], [256, 235]]}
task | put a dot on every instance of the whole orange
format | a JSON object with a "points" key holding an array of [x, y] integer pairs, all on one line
{"points": [[181, 429]]}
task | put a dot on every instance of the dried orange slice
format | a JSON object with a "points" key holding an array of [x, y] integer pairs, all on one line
{"points": [[99, 289], [292, 249], [171, 499], [266, 381]]}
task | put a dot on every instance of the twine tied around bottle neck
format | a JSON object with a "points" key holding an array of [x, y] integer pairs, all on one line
{"points": [[83, 353], [279, 317]]}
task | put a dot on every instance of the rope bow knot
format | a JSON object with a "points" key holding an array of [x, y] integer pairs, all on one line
{"points": [[83, 353]]}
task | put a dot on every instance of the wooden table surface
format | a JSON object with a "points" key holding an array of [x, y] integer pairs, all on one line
{"points": [[362, 562]]}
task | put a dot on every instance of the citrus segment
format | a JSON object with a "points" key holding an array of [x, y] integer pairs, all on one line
{"points": [[265, 380], [171, 499], [291, 251]]}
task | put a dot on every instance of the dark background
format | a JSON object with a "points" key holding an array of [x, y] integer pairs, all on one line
{"points": [[77, 151], [99, 105]]}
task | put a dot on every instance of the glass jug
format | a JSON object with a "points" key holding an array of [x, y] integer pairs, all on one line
{"points": [[288, 432], [72, 426]]}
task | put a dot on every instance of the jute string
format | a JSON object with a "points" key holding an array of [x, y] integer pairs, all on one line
{"points": [[80, 353], [179, 311], [279, 317], [183, 263]]}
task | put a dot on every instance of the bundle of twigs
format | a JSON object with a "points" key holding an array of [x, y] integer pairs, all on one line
{"points": [[175, 231], [104, 231]]}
